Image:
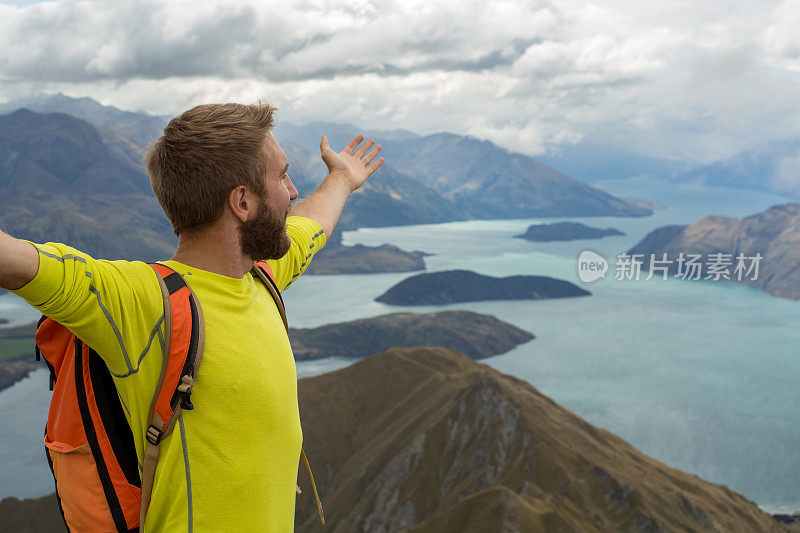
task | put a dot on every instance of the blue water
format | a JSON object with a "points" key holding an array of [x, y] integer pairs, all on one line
{"points": [[700, 375]]}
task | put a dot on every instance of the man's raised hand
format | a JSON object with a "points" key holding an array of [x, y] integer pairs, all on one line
{"points": [[353, 163]]}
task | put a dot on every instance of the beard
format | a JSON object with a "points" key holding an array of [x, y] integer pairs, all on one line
{"points": [[264, 237]]}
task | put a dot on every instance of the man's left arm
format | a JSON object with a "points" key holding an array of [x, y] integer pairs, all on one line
{"points": [[347, 171]]}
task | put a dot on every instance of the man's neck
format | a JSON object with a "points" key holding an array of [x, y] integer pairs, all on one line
{"points": [[214, 250]]}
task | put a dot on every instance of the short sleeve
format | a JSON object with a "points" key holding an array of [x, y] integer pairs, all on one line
{"points": [[113, 306], [307, 238]]}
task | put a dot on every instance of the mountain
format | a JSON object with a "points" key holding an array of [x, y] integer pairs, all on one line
{"points": [[388, 198], [485, 181], [469, 178], [59, 182], [774, 167], [774, 233], [595, 159], [140, 128], [481, 179], [56, 152], [453, 286], [425, 439], [565, 231], [473, 334], [63, 148]]}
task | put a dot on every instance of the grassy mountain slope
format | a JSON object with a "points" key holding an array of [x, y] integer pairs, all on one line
{"points": [[425, 439]]}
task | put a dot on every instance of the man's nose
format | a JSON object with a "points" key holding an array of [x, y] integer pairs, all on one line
{"points": [[293, 194]]}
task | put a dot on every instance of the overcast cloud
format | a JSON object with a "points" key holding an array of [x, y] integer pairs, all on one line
{"points": [[674, 79]]}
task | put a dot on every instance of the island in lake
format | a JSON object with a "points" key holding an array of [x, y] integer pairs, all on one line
{"points": [[472, 334], [454, 286], [565, 231], [360, 259]]}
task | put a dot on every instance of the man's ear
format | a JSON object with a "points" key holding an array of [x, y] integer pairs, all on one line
{"points": [[240, 203]]}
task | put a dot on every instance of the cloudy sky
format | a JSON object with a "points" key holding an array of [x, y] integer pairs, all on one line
{"points": [[678, 79]]}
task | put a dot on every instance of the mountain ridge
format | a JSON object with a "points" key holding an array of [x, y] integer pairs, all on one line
{"points": [[774, 234], [399, 441], [428, 440]]}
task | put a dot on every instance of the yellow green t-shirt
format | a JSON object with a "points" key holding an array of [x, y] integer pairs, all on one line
{"points": [[231, 462]]}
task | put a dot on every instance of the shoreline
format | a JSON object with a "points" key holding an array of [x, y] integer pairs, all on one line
{"points": [[17, 359]]}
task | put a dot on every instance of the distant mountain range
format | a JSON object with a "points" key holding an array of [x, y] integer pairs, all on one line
{"points": [[774, 234], [774, 167], [58, 153], [594, 159], [139, 128], [478, 178], [60, 180], [74, 174]]}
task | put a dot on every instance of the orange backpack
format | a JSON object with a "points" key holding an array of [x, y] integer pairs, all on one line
{"points": [[88, 442]]}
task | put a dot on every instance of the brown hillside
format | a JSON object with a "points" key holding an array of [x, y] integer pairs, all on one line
{"points": [[426, 439], [40, 515], [774, 233]]}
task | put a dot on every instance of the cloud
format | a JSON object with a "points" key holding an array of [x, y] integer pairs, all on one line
{"points": [[781, 39], [669, 79], [788, 174]]}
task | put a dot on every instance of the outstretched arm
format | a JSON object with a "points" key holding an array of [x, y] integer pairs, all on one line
{"points": [[19, 262], [347, 171]]}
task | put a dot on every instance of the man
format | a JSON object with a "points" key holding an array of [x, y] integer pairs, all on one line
{"points": [[221, 178]]}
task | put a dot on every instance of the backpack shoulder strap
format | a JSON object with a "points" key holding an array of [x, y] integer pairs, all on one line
{"points": [[264, 272], [184, 338]]}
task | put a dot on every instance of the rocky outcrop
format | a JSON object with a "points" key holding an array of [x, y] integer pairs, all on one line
{"points": [[565, 231], [774, 234], [453, 286], [473, 334]]}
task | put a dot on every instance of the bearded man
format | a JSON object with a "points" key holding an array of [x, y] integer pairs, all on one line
{"points": [[223, 182]]}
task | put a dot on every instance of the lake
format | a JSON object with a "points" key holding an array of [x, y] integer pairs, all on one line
{"points": [[700, 375]]}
